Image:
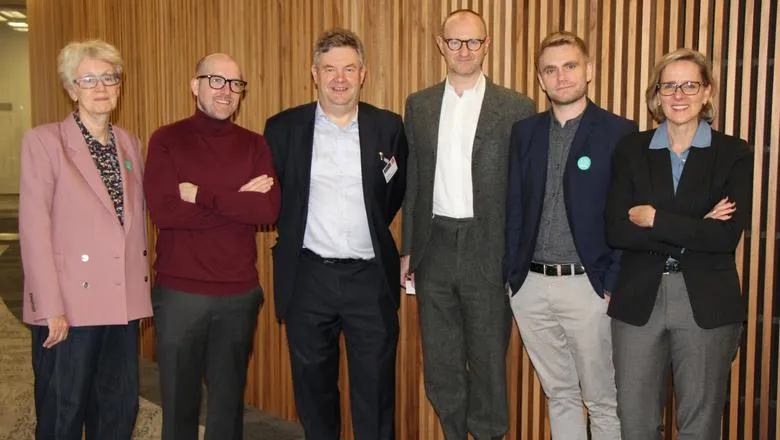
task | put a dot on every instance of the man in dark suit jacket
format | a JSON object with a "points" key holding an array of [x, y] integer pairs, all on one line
{"points": [[342, 169], [458, 134], [559, 171]]}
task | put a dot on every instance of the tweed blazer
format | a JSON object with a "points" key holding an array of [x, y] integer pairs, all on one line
{"points": [[501, 108]]}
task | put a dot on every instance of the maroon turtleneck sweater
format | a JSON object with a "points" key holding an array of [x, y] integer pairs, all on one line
{"points": [[208, 247]]}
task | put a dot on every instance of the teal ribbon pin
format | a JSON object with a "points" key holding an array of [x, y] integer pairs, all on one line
{"points": [[128, 165], [583, 163]]}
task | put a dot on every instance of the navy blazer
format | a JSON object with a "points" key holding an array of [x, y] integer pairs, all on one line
{"points": [[290, 134], [585, 186]]}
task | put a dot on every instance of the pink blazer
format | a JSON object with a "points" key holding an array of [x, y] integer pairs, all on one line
{"points": [[78, 259]]}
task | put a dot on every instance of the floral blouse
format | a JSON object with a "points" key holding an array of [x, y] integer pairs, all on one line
{"points": [[107, 161]]}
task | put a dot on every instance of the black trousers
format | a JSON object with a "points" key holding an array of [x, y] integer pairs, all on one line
{"points": [[329, 299], [204, 336], [88, 382]]}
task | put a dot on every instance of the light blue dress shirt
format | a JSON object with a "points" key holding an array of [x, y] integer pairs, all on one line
{"points": [[337, 224]]}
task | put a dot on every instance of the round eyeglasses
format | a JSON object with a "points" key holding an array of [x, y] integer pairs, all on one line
{"points": [[218, 82], [689, 88], [91, 81], [455, 44]]}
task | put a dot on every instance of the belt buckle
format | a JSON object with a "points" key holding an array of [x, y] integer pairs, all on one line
{"points": [[551, 270]]}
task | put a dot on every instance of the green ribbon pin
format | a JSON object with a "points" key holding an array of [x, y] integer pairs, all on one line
{"points": [[128, 165]]}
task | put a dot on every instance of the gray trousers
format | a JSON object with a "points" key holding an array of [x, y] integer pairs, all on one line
{"points": [[699, 359], [566, 331], [465, 322]]}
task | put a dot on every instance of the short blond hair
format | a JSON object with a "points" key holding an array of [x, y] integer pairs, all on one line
{"points": [[707, 78], [77, 51], [561, 38]]}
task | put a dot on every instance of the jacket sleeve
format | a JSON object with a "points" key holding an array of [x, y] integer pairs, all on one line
{"points": [[248, 207], [161, 188], [709, 235], [610, 278], [514, 203], [621, 232], [411, 185], [37, 186]]}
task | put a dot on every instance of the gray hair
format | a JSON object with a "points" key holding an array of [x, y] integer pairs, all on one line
{"points": [[77, 51], [338, 37]]}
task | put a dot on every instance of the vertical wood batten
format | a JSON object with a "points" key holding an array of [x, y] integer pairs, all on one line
{"points": [[272, 40]]}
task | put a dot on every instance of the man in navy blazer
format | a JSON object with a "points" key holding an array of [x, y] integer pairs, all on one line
{"points": [[557, 266]]}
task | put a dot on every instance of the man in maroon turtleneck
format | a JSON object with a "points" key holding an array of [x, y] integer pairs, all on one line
{"points": [[208, 183]]}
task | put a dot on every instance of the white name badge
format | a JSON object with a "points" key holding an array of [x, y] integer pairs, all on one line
{"points": [[390, 169]]}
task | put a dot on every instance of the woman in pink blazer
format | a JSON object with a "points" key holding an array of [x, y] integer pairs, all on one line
{"points": [[83, 237]]}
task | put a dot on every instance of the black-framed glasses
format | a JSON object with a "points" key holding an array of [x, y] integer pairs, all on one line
{"points": [[455, 44], [689, 88], [218, 82], [91, 81]]}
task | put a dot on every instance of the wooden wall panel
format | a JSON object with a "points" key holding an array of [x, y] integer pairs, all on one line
{"points": [[272, 39]]}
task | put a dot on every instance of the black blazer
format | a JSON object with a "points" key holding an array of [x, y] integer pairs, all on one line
{"points": [[705, 248], [584, 193], [290, 134]]}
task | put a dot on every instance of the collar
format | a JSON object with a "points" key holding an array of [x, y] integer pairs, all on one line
{"points": [[478, 88], [321, 116], [701, 139]]}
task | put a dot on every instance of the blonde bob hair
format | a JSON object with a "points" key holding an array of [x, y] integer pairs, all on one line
{"points": [[707, 112], [77, 51]]}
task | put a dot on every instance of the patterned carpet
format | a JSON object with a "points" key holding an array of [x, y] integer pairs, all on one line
{"points": [[17, 413]]}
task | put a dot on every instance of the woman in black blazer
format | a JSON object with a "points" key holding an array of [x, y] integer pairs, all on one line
{"points": [[679, 200]]}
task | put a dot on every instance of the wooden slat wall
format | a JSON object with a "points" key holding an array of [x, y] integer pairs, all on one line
{"points": [[162, 39]]}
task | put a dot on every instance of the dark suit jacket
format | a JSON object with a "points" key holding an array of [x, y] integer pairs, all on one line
{"points": [[644, 176], [584, 193], [290, 134], [501, 108]]}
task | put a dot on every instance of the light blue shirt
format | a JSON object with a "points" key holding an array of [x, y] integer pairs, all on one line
{"points": [[701, 139], [337, 224]]}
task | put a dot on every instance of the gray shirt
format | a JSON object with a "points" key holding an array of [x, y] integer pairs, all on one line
{"points": [[554, 242]]}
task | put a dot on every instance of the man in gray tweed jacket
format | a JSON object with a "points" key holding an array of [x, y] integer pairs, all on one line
{"points": [[453, 231]]}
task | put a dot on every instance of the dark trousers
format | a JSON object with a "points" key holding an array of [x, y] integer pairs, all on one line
{"points": [[465, 321], [204, 336], [329, 299], [88, 381]]}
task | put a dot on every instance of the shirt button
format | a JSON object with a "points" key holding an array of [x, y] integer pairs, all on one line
{"points": [[146, 278], [144, 252], [85, 258], [85, 285]]}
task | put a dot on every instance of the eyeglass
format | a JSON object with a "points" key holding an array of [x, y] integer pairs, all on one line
{"points": [[455, 44], [217, 82], [91, 81], [670, 88]]}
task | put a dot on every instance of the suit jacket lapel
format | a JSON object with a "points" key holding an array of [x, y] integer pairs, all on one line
{"points": [[131, 178], [369, 156], [579, 145], [488, 117], [78, 153], [660, 166], [697, 166], [305, 141], [431, 109]]}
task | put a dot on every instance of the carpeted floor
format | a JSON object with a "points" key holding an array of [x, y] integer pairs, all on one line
{"points": [[17, 413]]}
